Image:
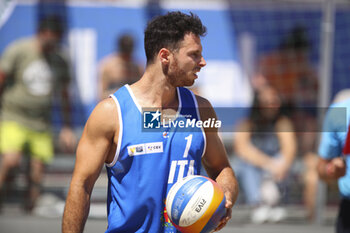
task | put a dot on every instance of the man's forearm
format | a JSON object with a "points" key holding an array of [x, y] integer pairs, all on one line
{"points": [[227, 180], [76, 211]]}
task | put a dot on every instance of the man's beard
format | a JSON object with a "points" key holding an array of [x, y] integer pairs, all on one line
{"points": [[178, 77]]}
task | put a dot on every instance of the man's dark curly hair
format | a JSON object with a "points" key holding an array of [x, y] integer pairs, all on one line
{"points": [[168, 30]]}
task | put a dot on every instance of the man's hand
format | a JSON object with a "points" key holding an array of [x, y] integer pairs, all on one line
{"points": [[335, 168], [228, 215]]}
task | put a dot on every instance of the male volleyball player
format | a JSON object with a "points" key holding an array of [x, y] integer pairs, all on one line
{"points": [[142, 166]]}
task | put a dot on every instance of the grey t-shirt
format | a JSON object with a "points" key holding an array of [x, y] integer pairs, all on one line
{"points": [[32, 79]]}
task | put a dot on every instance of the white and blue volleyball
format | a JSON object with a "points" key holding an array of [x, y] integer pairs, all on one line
{"points": [[195, 204]]}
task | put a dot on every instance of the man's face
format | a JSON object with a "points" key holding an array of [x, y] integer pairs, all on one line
{"points": [[50, 40], [187, 61]]}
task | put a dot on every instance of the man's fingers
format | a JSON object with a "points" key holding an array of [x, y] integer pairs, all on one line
{"points": [[228, 204], [225, 219]]}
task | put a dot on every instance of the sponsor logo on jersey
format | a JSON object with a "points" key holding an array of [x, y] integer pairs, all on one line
{"points": [[146, 148], [136, 149], [165, 134], [155, 147]]}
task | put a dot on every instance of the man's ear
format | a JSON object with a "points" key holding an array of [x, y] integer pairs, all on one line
{"points": [[164, 55]]}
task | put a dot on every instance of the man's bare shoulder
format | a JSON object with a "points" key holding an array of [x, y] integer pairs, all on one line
{"points": [[106, 105], [104, 116], [203, 102], [205, 108], [110, 59]]}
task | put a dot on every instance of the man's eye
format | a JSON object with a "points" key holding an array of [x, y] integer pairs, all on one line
{"points": [[196, 55]]}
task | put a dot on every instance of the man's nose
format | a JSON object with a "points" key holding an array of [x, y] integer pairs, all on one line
{"points": [[202, 63]]}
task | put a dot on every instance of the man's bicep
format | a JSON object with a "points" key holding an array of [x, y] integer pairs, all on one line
{"points": [[94, 144], [215, 158], [89, 160]]}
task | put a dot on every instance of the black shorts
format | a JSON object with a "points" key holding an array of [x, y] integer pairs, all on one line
{"points": [[343, 223]]}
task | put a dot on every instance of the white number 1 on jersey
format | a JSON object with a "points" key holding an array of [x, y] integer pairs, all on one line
{"points": [[188, 145]]}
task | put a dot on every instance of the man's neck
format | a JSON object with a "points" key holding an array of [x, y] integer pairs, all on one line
{"points": [[154, 91]]}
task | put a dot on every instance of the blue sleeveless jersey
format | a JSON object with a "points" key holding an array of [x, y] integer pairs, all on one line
{"points": [[147, 164]]}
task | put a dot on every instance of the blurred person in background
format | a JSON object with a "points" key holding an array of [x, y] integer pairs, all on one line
{"points": [[32, 71], [265, 144], [289, 71], [334, 159], [119, 68]]}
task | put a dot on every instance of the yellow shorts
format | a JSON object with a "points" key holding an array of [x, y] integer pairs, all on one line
{"points": [[14, 137]]}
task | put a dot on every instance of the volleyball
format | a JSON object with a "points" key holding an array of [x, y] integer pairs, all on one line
{"points": [[195, 204]]}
